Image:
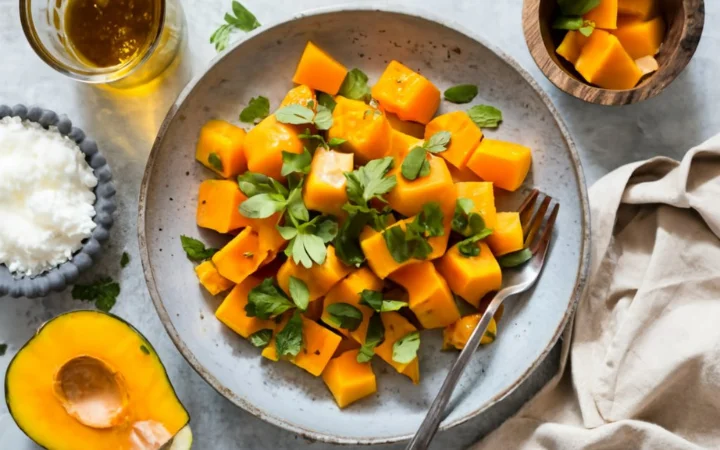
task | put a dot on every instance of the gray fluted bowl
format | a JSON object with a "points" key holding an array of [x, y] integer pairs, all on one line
{"points": [[66, 273]]}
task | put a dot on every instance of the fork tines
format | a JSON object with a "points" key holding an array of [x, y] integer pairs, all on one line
{"points": [[537, 223]]}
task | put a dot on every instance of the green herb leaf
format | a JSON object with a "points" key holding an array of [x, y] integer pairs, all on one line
{"points": [[405, 349], [295, 115], [369, 182], [326, 229], [463, 209], [397, 244], [567, 23], [261, 338], [515, 259], [299, 293], [375, 300], [103, 293], [296, 163], [326, 100], [124, 260], [577, 7], [295, 205], [3, 349], [438, 142], [425, 169], [430, 219], [195, 249], [289, 341], [374, 337], [334, 142], [287, 233], [215, 161], [469, 248], [345, 316], [347, 242], [307, 249], [324, 118], [355, 86], [266, 301], [221, 36], [587, 30], [485, 116], [252, 184], [262, 206], [413, 163], [462, 93], [242, 19], [257, 109]]}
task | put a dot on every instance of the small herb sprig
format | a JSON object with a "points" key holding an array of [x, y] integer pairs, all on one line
{"points": [[239, 19], [416, 163]]}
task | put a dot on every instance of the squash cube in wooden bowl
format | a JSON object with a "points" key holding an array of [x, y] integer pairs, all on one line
{"points": [[640, 38]]}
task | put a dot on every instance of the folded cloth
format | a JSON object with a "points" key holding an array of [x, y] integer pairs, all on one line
{"points": [[640, 364]]}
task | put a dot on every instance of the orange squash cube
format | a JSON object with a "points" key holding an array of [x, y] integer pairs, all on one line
{"points": [[401, 144], [319, 278], [220, 148], [465, 136], [324, 188], [471, 277], [211, 279], [269, 238], [640, 38], [217, 207], [409, 196], [414, 129], [456, 335], [349, 380], [365, 129], [240, 257], [412, 371], [604, 62], [265, 143], [299, 95], [462, 175], [348, 291], [571, 46], [379, 258], [483, 197], [319, 71], [507, 235], [604, 15], [504, 163], [430, 298], [642, 9], [396, 327], [232, 313], [406, 93]]}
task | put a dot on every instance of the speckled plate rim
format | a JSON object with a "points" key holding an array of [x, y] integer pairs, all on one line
{"points": [[419, 13]]}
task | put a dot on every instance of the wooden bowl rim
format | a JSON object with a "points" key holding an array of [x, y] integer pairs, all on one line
{"points": [[657, 82]]}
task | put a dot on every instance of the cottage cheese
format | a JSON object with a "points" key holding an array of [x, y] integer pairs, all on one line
{"points": [[46, 197]]}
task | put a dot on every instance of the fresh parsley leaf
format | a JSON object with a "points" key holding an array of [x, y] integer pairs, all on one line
{"points": [[374, 337], [326, 100], [144, 349], [405, 349], [418, 245], [295, 206], [369, 182], [336, 141], [326, 228], [257, 109], [295, 115], [413, 163], [221, 36], [252, 184], [3, 349], [267, 301], [103, 293], [299, 293], [215, 161], [345, 315], [347, 241], [462, 93], [308, 249], [438, 142], [469, 248], [296, 163], [124, 260], [241, 19], [261, 338], [430, 219], [375, 300], [262, 206], [323, 118], [355, 86], [289, 341], [287, 233], [397, 243], [465, 220], [515, 259], [577, 7], [485, 116], [195, 249], [412, 242]]}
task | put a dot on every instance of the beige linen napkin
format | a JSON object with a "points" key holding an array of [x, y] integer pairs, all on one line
{"points": [[641, 362]]}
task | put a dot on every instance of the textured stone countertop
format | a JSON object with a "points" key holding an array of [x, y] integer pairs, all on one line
{"points": [[687, 113]]}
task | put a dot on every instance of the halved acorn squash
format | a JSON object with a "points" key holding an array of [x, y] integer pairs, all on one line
{"points": [[89, 380]]}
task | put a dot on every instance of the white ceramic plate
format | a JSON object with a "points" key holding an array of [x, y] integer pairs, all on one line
{"points": [[282, 394]]}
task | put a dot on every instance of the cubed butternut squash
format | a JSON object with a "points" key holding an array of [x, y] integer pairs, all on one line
{"points": [[604, 15], [265, 143], [299, 95], [406, 93], [483, 197], [269, 238], [232, 313], [211, 279], [571, 46], [465, 136], [396, 327], [348, 291], [319, 70], [401, 144], [217, 206], [412, 371], [366, 130], [220, 148], [471, 277], [349, 380], [457, 335], [504, 163], [507, 235], [325, 186], [414, 129], [640, 38], [379, 258], [642, 9], [430, 298], [319, 278], [409, 196], [604, 62], [240, 257]]}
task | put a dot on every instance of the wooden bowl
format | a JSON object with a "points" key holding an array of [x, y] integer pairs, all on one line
{"points": [[684, 19]]}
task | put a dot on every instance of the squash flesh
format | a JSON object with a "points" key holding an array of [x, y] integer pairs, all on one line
{"points": [[483, 197], [348, 291], [232, 313], [465, 136], [604, 15], [571, 46], [365, 129], [349, 380], [240, 257], [604, 62], [226, 142], [325, 187], [640, 38], [507, 236], [319, 278], [406, 93], [503, 163], [471, 277], [265, 143], [217, 206], [211, 279], [299, 95], [319, 70], [409, 196]]}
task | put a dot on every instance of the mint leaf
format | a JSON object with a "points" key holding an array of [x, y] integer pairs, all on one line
{"points": [[577, 7], [295, 115], [345, 316], [405, 349], [262, 206], [326, 100], [374, 337], [252, 184], [462, 93], [124, 260], [257, 109], [299, 293], [515, 259], [296, 163], [485, 116], [195, 250], [375, 300], [242, 20], [355, 86], [413, 163], [261, 338], [267, 301], [289, 341], [438, 142], [324, 118], [103, 293], [215, 161]]}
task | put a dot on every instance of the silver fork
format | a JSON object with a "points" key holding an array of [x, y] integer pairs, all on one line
{"points": [[537, 227]]}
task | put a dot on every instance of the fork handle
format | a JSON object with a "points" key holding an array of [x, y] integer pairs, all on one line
{"points": [[435, 415]]}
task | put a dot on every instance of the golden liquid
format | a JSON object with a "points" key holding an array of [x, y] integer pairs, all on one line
{"points": [[105, 33]]}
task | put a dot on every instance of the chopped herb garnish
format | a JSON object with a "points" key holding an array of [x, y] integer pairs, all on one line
{"points": [[345, 315], [195, 249], [261, 338], [469, 248], [355, 86], [462, 93], [144, 349], [252, 184], [257, 109], [485, 116], [326, 100], [267, 301], [301, 115], [416, 164], [515, 259], [586, 27], [412, 242], [215, 161], [299, 293], [374, 337], [240, 19], [375, 300], [296, 163], [103, 293], [323, 118], [369, 182], [466, 221], [405, 349], [289, 341], [262, 206], [124, 260]]}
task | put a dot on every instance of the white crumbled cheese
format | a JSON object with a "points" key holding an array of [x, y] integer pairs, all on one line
{"points": [[46, 197]]}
